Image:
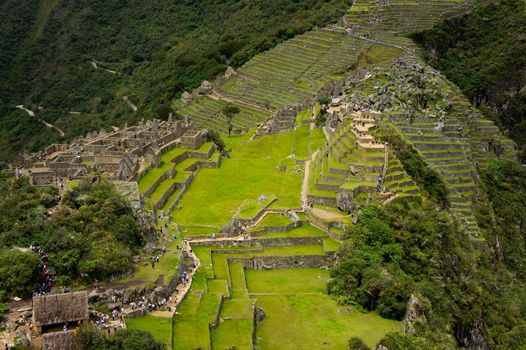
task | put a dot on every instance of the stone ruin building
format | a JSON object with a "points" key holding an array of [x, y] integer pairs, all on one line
{"points": [[55, 317], [118, 155]]}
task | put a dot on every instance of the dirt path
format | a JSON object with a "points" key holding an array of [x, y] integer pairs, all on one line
{"points": [[325, 214], [130, 103], [96, 66], [49, 125]]}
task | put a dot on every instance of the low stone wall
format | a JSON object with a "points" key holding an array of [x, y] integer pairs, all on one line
{"points": [[285, 262], [213, 325], [166, 175], [322, 200], [288, 241], [165, 197], [286, 228]]}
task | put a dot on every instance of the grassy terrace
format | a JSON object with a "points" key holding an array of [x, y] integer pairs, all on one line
{"points": [[159, 327], [252, 170], [285, 75], [285, 296], [300, 315], [206, 112]]}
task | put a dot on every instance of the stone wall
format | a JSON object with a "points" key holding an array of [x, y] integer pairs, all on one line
{"points": [[287, 241], [286, 262], [328, 201]]}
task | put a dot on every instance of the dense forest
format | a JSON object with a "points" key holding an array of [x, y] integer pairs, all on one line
{"points": [[149, 51], [468, 292], [92, 234], [484, 53]]}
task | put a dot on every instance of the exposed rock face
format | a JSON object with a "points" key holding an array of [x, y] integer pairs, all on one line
{"points": [[260, 314], [381, 347], [474, 336], [344, 201], [229, 72], [414, 313]]}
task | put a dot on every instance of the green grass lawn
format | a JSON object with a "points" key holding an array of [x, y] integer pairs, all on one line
{"points": [[303, 231], [238, 309], [159, 327], [273, 219], [287, 281], [190, 323], [311, 321], [252, 170], [166, 266], [231, 333]]}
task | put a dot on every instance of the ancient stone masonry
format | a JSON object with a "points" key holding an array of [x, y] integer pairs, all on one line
{"points": [[433, 116], [282, 120], [118, 155]]}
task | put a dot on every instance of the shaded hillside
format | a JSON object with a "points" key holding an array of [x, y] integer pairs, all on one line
{"points": [[76, 56], [485, 54]]}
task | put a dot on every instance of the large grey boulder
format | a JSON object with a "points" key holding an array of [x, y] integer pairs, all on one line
{"points": [[413, 314]]}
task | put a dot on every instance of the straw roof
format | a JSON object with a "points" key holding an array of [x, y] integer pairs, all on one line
{"points": [[52, 309], [59, 341]]}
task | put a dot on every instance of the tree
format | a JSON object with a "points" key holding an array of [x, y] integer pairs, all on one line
{"points": [[18, 272], [163, 110], [230, 111], [324, 102], [356, 343], [93, 338], [217, 140]]}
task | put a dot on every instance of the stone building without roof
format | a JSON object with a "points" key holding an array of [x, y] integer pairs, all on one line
{"points": [[119, 155]]}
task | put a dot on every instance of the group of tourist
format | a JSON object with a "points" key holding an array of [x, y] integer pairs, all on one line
{"points": [[46, 280], [104, 321]]}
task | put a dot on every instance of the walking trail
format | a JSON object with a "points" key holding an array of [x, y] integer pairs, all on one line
{"points": [[32, 114]]}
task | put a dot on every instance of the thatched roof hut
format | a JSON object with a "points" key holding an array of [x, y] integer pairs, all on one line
{"points": [[53, 309], [59, 341]]}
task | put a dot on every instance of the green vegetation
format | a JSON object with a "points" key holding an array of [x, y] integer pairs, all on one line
{"points": [[158, 327], [251, 170], [404, 250], [92, 234], [150, 52], [288, 281], [427, 178], [92, 338], [376, 54], [324, 324], [484, 53]]}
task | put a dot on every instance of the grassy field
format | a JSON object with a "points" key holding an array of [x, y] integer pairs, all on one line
{"points": [[315, 321], [232, 333], [166, 266], [252, 170], [159, 327], [288, 281]]}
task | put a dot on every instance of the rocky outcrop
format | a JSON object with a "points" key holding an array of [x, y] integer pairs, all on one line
{"points": [[344, 200], [474, 336], [414, 313]]}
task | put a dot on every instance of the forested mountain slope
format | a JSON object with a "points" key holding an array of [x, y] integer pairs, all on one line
{"points": [[78, 59], [484, 53]]}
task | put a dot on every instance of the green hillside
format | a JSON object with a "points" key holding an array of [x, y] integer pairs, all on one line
{"points": [[484, 53], [149, 51], [354, 183]]}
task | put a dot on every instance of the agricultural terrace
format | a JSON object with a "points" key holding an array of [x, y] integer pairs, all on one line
{"points": [[266, 165]]}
